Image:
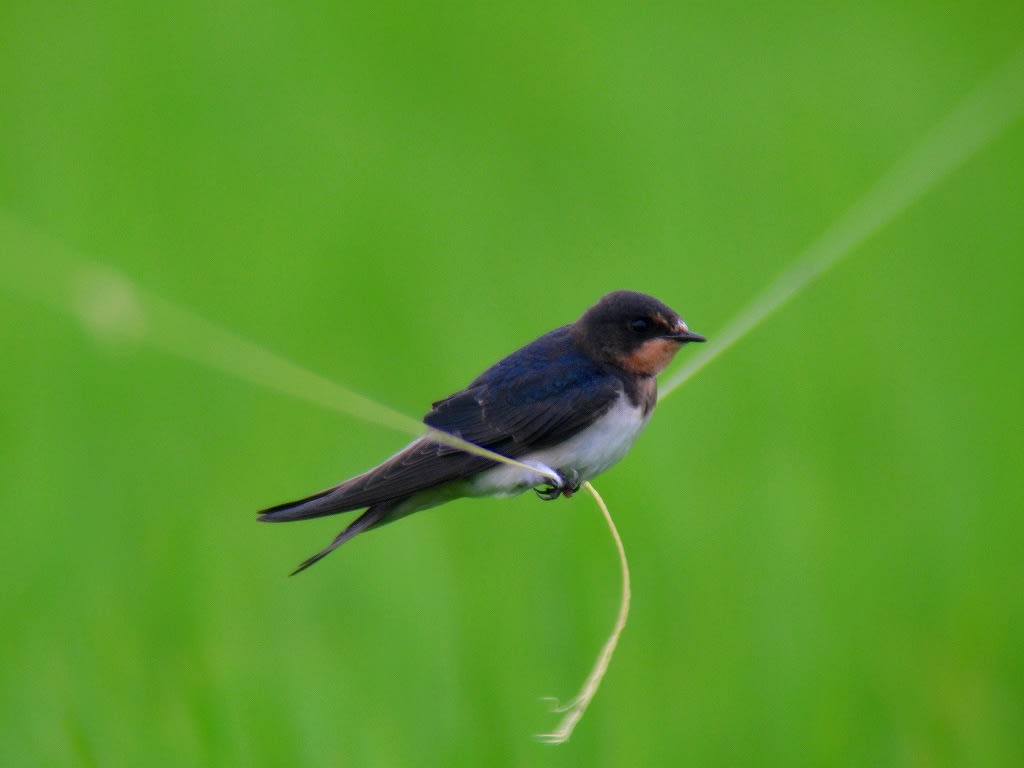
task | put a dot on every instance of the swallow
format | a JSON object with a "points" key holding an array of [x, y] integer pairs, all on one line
{"points": [[573, 400]]}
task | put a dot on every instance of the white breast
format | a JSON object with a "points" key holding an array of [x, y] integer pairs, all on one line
{"points": [[590, 452]]}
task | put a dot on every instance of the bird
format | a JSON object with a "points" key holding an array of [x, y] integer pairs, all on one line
{"points": [[573, 401]]}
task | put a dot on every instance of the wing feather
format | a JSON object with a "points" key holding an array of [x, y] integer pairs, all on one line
{"points": [[538, 396]]}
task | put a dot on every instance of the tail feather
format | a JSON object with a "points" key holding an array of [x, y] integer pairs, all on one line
{"points": [[320, 504], [373, 516]]}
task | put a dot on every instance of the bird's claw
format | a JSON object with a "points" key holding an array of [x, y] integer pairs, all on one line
{"points": [[567, 484]]}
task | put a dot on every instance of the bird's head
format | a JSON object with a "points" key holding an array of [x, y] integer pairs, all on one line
{"points": [[633, 331]]}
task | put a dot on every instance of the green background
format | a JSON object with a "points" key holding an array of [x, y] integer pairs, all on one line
{"points": [[825, 526]]}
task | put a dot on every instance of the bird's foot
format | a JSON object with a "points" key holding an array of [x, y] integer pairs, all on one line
{"points": [[567, 484]]}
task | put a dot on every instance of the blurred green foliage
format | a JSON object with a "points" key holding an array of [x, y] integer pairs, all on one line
{"points": [[825, 527]]}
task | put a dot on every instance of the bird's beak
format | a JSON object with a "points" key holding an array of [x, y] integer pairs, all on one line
{"points": [[682, 334]]}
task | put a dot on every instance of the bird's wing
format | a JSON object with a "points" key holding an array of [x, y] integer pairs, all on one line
{"points": [[540, 395], [536, 397]]}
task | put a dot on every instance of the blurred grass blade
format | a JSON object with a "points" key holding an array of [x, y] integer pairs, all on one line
{"points": [[987, 111], [110, 306]]}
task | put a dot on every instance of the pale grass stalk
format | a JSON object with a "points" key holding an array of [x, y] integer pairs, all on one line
{"points": [[577, 706]]}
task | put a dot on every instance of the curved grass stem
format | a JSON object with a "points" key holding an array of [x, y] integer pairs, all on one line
{"points": [[577, 706]]}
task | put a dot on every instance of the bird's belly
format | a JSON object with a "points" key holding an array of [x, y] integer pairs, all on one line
{"points": [[589, 452]]}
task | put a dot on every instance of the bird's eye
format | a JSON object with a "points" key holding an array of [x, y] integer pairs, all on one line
{"points": [[638, 326]]}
